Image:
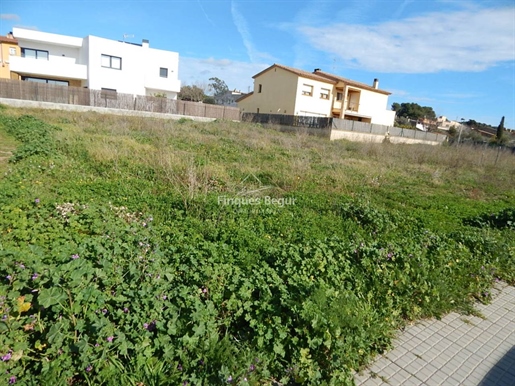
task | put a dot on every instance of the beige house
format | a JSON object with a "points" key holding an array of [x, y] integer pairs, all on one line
{"points": [[285, 90]]}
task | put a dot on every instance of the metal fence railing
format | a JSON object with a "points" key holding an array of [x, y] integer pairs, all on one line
{"points": [[288, 120], [372, 128], [33, 91], [339, 124]]}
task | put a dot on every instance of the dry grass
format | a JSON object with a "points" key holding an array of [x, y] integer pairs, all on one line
{"points": [[197, 157]]}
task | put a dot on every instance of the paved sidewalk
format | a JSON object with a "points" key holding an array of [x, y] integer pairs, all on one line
{"points": [[456, 350]]}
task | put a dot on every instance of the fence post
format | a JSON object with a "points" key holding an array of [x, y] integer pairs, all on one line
{"points": [[498, 152]]}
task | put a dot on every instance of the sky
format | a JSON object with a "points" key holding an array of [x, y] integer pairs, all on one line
{"points": [[456, 56]]}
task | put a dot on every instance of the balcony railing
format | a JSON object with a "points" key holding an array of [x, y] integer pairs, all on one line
{"points": [[352, 106]]}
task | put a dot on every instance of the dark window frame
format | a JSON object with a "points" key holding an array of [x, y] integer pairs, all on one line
{"points": [[111, 57], [305, 88], [163, 74], [46, 80], [36, 53], [324, 93]]}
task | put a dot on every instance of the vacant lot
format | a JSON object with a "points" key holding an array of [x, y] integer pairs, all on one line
{"points": [[146, 252]]}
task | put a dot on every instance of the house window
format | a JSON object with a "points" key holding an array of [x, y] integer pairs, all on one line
{"points": [[163, 72], [12, 51], [260, 88], [47, 81], [34, 54], [307, 90], [339, 96], [324, 94], [109, 61]]}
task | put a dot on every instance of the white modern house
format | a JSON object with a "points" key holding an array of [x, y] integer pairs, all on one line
{"points": [[95, 63]]}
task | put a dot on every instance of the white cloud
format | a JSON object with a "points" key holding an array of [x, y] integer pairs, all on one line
{"points": [[242, 26], [205, 14], [9, 16], [470, 40], [237, 75]]}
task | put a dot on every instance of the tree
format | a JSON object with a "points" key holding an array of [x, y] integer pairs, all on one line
{"points": [[413, 111], [191, 93], [500, 132], [219, 88]]}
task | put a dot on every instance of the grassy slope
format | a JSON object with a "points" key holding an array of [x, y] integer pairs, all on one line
{"points": [[351, 198], [187, 159]]}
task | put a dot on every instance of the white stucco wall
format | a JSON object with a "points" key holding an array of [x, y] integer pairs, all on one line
{"points": [[140, 68], [80, 58], [64, 59], [374, 104], [313, 105]]}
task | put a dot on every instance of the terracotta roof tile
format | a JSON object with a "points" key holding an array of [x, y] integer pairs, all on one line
{"points": [[323, 77], [5, 39], [304, 74], [351, 82]]}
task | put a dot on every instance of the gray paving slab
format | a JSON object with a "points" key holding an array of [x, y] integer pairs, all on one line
{"points": [[455, 350]]}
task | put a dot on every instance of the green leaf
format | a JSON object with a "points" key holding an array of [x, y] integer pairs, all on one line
{"points": [[279, 349], [50, 296]]}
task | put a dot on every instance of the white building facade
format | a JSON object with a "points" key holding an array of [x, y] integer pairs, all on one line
{"points": [[96, 63], [285, 90]]}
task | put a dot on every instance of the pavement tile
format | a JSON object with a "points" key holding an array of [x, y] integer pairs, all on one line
{"points": [[404, 360], [437, 379], [473, 379], [373, 381], [379, 364], [412, 381], [449, 317], [415, 366], [422, 348], [451, 381], [491, 379], [438, 362], [399, 377], [461, 374], [456, 350], [361, 379], [426, 372], [389, 371], [397, 353], [473, 362], [507, 380]]}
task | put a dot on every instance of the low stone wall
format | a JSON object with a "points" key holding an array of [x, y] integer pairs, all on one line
{"points": [[102, 110], [374, 138]]}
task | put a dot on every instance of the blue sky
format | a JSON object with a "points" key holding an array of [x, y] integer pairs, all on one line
{"points": [[455, 56]]}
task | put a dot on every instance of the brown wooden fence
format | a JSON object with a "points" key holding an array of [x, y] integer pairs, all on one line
{"points": [[42, 92]]}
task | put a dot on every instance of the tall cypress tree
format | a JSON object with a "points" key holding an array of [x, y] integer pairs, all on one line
{"points": [[500, 131]]}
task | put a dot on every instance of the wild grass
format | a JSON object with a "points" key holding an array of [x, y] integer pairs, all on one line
{"points": [[259, 295]]}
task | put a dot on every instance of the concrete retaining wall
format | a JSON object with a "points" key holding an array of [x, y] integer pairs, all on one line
{"points": [[101, 110], [365, 137]]}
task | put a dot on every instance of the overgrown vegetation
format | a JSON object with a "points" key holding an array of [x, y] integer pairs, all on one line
{"points": [[122, 262]]}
